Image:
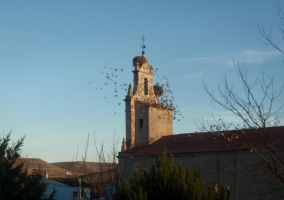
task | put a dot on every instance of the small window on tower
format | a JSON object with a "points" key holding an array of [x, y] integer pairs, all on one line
{"points": [[140, 123], [146, 86]]}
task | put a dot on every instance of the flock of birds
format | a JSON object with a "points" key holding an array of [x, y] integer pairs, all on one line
{"points": [[119, 89]]}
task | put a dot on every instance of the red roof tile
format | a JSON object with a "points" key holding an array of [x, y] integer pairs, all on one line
{"points": [[210, 141]]}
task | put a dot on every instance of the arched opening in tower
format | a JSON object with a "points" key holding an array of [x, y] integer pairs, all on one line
{"points": [[145, 86]]}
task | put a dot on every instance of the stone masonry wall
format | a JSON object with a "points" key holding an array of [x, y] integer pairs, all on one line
{"points": [[240, 170]]}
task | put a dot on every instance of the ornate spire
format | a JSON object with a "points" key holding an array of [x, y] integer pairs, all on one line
{"points": [[123, 145], [130, 93]]}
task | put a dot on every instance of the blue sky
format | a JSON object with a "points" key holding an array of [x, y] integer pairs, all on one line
{"points": [[54, 57]]}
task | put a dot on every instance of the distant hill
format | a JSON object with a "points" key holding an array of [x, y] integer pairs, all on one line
{"points": [[64, 169], [81, 168], [52, 171]]}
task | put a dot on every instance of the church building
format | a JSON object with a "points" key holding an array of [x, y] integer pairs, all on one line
{"points": [[149, 130]]}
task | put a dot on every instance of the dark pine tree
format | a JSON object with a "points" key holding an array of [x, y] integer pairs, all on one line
{"points": [[168, 181], [15, 183]]}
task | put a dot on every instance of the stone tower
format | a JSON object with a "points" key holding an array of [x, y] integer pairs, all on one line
{"points": [[146, 118]]}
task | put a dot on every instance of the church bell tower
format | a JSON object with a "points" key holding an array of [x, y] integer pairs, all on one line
{"points": [[146, 118]]}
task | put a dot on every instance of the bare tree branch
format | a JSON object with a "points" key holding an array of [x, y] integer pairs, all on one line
{"points": [[102, 178], [267, 36], [258, 114]]}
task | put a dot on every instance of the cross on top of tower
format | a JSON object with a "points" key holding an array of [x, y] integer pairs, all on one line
{"points": [[143, 46]]}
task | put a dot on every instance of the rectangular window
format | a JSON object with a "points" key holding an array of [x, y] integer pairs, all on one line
{"points": [[140, 123]]}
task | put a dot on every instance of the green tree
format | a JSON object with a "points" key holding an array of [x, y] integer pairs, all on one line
{"points": [[167, 180], [15, 183], [123, 190]]}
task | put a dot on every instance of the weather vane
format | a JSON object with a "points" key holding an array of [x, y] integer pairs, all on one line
{"points": [[143, 46]]}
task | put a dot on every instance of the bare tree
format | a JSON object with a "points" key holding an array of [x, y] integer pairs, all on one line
{"points": [[267, 35], [101, 173], [259, 129]]}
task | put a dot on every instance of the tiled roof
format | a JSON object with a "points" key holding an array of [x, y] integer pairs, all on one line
{"points": [[210, 141]]}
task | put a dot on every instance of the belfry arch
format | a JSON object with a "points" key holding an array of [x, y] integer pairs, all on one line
{"points": [[145, 86]]}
